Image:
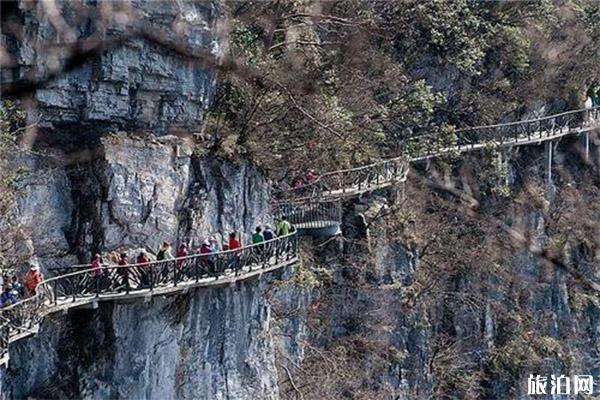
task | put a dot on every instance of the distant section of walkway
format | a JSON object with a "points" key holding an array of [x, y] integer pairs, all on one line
{"points": [[315, 208], [511, 134]]}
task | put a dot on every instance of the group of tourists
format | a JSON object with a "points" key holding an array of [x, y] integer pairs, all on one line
{"points": [[13, 290], [208, 246], [308, 178], [147, 277]]}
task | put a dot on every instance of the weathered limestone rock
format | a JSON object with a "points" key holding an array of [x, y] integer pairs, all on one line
{"points": [[137, 84], [145, 183], [43, 209], [157, 189], [207, 344]]}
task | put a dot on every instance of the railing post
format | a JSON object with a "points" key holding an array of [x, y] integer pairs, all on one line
{"points": [[74, 288], [197, 270], [174, 263], [549, 162], [55, 292], [587, 146]]}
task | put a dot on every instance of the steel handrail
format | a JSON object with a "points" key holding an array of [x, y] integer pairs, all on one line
{"points": [[528, 121], [375, 166]]}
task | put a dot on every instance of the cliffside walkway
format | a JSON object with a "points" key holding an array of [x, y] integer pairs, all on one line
{"points": [[83, 286], [316, 207], [511, 134]]}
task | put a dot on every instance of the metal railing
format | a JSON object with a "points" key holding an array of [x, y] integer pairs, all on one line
{"points": [[511, 133], [316, 204], [349, 182], [4, 340], [354, 181], [310, 214], [80, 286]]}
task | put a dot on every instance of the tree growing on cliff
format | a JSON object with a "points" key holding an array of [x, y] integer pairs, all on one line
{"points": [[12, 124]]}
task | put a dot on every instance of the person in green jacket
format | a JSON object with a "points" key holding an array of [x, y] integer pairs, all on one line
{"points": [[283, 227], [257, 236], [164, 253]]}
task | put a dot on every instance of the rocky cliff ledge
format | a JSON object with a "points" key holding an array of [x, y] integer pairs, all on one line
{"points": [[206, 344], [131, 193]]}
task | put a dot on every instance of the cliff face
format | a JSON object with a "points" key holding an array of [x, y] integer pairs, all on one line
{"points": [[136, 192], [96, 191], [135, 83], [148, 190], [443, 303], [206, 344]]}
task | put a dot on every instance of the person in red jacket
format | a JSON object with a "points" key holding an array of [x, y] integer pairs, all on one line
{"points": [[234, 242], [123, 260], [234, 257], [143, 261], [33, 278], [207, 259], [97, 273], [205, 248], [311, 176], [181, 252], [123, 271], [97, 265]]}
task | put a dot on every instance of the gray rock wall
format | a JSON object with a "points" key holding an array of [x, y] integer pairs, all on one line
{"points": [[43, 208], [206, 344], [136, 192], [137, 83]]}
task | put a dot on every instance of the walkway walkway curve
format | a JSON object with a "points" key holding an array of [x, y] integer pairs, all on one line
{"points": [[307, 215], [349, 182], [333, 186], [81, 286]]}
